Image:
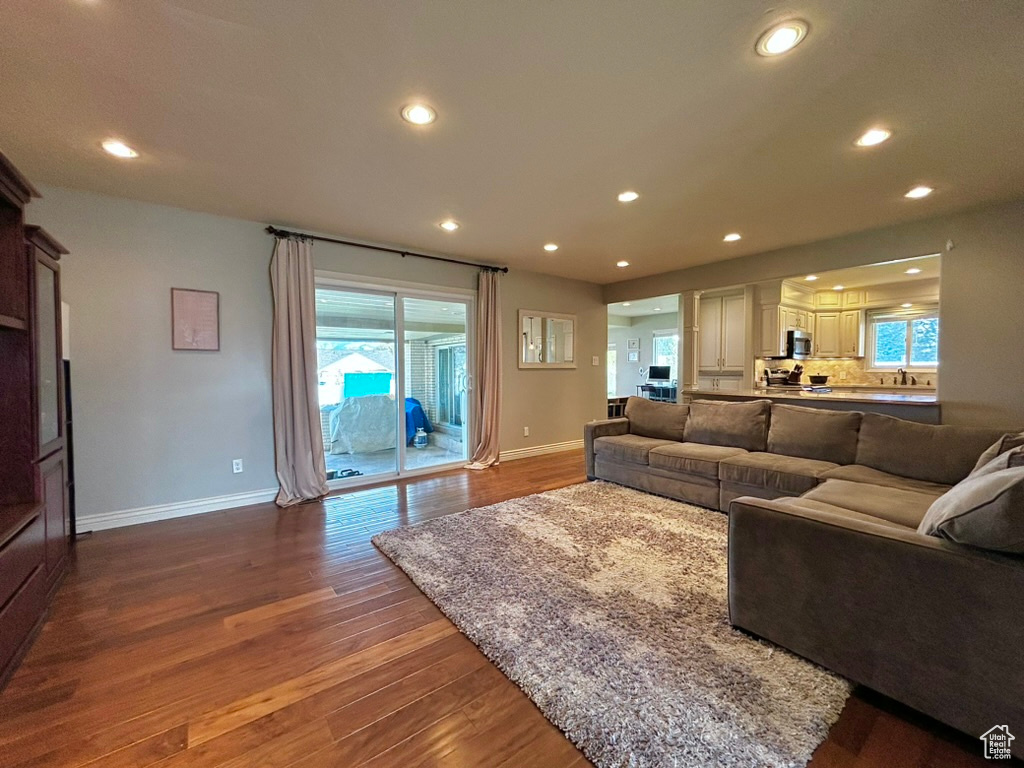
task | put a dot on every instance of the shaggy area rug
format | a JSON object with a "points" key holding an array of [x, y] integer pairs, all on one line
{"points": [[607, 606]]}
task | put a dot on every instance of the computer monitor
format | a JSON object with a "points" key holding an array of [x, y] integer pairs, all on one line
{"points": [[659, 373]]}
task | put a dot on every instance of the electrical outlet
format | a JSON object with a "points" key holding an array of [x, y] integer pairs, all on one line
{"points": [[526, 431], [842, 375], [595, 360], [236, 466]]}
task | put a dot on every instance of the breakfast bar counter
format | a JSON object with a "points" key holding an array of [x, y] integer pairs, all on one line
{"points": [[919, 407]]}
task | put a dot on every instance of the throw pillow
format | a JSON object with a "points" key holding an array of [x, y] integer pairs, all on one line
{"points": [[1003, 444], [986, 510], [1011, 458]]}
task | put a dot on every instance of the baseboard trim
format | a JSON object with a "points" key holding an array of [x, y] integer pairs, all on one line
{"points": [[539, 450], [118, 519]]}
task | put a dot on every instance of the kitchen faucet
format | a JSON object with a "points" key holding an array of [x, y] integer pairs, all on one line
{"points": [[903, 374]]}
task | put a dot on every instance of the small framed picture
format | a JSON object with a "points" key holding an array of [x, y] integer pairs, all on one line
{"points": [[195, 320], [633, 357], [633, 344]]}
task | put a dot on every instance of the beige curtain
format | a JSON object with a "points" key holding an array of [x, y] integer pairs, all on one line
{"points": [[299, 446], [486, 394]]}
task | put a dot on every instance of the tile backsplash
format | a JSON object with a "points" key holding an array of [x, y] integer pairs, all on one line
{"points": [[854, 369]]}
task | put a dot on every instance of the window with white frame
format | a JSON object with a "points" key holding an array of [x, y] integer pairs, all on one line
{"points": [[904, 338], [666, 350]]}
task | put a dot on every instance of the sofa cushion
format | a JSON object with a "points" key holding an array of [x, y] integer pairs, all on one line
{"points": [[802, 502], [631, 448], [985, 510], [860, 474], [936, 453], [692, 458], [897, 505], [814, 433], [786, 474], [1007, 442], [661, 420], [739, 425]]}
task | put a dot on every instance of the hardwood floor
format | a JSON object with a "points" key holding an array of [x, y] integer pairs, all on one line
{"points": [[259, 637]]}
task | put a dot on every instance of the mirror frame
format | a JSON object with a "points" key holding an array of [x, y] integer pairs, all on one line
{"points": [[545, 316]]}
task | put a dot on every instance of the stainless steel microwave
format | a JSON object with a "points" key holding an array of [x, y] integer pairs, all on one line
{"points": [[798, 345]]}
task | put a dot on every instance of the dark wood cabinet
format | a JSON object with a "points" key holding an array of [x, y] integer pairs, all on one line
{"points": [[34, 531]]}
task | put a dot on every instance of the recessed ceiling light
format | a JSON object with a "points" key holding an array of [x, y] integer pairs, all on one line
{"points": [[781, 38], [119, 149], [918, 192], [550, 247], [657, 309], [628, 196], [811, 278], [449, 225], [625, 303], [913, 271], [444, 309], [621, 263], [732, 237], [418, 114], [873, 137], [838, 287], [906, 306]]}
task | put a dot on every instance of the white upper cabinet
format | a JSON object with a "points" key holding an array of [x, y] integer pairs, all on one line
{"points": [[851, 333], [722, 333], [710, 332], [826, 335]]}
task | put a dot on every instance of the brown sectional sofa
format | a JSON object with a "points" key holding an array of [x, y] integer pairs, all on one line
{"points": [[824, 554]]}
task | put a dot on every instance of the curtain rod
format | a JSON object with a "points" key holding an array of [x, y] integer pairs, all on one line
{"points": [[280, 233]]}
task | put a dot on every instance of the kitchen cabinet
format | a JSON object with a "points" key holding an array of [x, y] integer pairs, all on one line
{"points": [[826, 334], [839, 334], [722, 383], [774, 321], [851, 333], [722, 333]]}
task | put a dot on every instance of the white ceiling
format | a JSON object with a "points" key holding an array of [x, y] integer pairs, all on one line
{"points": [[876, 274], [658, 305], [287, 113]]}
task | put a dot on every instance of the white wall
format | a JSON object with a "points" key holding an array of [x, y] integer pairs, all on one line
{"points": [[154, 426], [628, 374]]}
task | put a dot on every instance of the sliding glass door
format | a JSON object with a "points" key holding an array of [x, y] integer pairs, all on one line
{"points": [[357, 373], [436, 379], [385, 410]]}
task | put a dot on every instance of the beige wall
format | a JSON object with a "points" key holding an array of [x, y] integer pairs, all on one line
{"points": [[153, 426], [554, 404], [981, 307]]}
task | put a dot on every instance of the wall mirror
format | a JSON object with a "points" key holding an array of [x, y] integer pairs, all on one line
{"points": [[546, 340]]}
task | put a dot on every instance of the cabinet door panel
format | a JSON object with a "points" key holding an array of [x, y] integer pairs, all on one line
{"points": [[734, 329], [769, 333], [826, 335], [53, 483], [710, 332], [850, 334]]}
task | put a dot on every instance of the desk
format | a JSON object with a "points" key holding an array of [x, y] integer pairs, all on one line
{"points": [[660, 393]]}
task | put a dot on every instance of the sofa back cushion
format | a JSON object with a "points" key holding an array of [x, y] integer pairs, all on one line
{"points": [[740, 425], [650, 419], [814, 433], [936, 453]]}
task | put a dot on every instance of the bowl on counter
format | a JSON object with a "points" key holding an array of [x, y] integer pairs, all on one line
{"points": [[818, 379]]}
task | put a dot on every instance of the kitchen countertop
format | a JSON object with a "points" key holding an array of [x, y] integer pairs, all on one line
{"points": [[778, 393]]}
